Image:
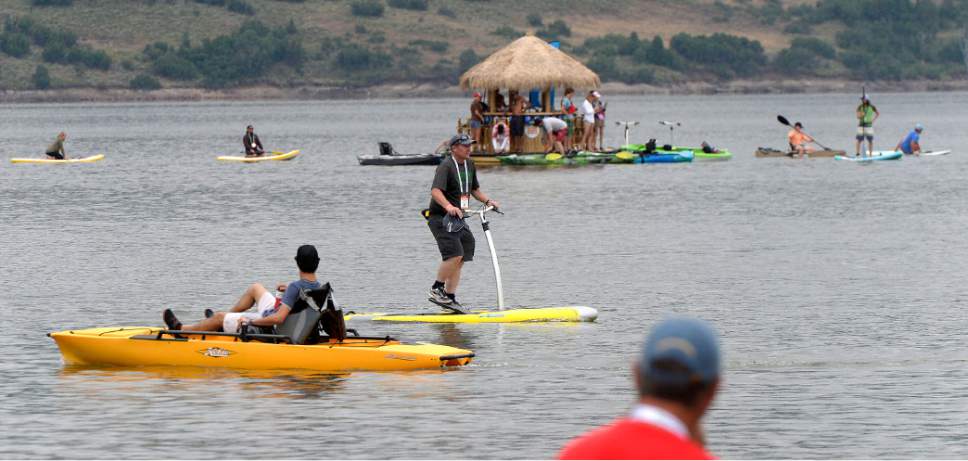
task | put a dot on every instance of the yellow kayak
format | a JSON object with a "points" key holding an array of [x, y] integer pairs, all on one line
{"points": [[275, 156], [544, 314], [147, 346], [90, 159]]}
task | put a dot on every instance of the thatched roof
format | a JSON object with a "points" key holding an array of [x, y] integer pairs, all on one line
{"points": [[527, 63]]}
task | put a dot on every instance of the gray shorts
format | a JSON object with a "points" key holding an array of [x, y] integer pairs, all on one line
{"points": [[452, 244], [865, 132]]}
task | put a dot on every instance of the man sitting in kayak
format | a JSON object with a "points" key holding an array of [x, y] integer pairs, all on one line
{"points": [[799, 140], [253, 146], [269, 310], [911, 144], [56, 150]]}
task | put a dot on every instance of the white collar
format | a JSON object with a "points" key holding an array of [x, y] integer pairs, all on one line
{"points": [[658, 417]]}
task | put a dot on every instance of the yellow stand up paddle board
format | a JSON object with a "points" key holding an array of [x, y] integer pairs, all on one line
{"points": [[275, 156], [90, 159], [501, 315]]}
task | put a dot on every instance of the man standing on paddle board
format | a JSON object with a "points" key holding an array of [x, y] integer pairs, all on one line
{"points": [[866, 116], [911, 144], [253, 146], [677, 376], [56, 150], [454, 183]]}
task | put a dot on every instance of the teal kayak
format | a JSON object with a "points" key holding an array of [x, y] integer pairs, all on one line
{"points": [[581, 158], [675, 155]]}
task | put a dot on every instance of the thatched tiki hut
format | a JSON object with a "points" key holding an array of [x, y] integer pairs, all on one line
{"points": [[528, 64]]}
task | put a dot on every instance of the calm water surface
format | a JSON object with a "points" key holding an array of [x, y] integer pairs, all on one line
{"points": [[839, 289]]}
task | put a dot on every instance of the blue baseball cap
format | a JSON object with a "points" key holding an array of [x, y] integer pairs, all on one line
{"points": [[919, 127], [691, 343], [461, 139]]}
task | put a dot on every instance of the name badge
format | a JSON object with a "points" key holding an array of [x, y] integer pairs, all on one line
{"points": [[465, 202]]}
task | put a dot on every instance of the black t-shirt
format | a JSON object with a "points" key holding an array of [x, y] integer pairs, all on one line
{"points": [[446, 180]]}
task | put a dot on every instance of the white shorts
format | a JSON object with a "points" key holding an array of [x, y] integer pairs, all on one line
{"points": [[865, 132], [264, 308]]}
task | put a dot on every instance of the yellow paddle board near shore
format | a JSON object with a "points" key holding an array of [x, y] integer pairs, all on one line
{"points": [[90, 159], [265, 158], [543, 314]]}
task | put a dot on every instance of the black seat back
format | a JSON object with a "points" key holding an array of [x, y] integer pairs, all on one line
{"points": [[386, 148], [314, 309]]}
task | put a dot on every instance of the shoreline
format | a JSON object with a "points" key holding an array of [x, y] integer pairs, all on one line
{"points": [[427, 90]]}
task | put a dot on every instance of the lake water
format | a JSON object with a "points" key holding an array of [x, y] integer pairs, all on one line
{"points": [[839, 289]]}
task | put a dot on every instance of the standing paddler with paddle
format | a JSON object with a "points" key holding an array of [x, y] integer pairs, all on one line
{"points": [[454, 183], [866, 116]]}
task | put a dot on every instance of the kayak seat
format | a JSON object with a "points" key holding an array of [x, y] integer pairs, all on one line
{"points": [[315, 312]]}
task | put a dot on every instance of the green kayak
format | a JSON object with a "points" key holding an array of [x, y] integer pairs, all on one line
{"points": [[581, 158], [697, 152]]}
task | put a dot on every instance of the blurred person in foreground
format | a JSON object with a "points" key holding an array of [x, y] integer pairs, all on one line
{"points": [[677, 376]]}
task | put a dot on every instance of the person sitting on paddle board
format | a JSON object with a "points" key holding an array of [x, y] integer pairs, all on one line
{"points": [[677, 377], [799, 140], [556, 130], [56, 150], [866, 116], [454, 183], [911, 144], [253, 146], [269, 310]]}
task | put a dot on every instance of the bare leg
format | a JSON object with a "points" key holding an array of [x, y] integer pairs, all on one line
{"points": [[449, 273], [857, 149], [212, 323], [249, 298]]}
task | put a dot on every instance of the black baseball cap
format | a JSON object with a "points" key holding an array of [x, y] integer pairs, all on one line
{"points": [[307, 258]]}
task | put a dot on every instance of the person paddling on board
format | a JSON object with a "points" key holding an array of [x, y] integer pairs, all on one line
{"points": [[454, 183], [269, 310], [56, 150], [253, 146], [866, 116], [798, 140], [677, 377], [911, 144]]}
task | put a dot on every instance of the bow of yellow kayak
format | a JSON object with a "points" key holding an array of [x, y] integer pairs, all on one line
{"points": [[543, 314], [147, 346], [91, 159], [275, 156]]}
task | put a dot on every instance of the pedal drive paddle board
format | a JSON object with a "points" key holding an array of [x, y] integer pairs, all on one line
{"points": [[90, 159], [543, 314], [264, 158]]}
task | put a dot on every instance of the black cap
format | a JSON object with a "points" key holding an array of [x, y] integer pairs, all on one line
{"points": [[307, 259]]}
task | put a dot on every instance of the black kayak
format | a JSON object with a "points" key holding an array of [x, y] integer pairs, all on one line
{"points": [[389, 156]]}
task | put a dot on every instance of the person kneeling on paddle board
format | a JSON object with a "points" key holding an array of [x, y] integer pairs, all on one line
{"points": [[911, 144], [677, 376], [269, 310], [454, 183], [56, 150], [799, 140], [253, 146]]}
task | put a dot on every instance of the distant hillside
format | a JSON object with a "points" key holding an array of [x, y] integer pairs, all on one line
{"points": [[151, 44]]}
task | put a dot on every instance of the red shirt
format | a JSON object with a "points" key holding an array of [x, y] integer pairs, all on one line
{"points": [[631, 439]]}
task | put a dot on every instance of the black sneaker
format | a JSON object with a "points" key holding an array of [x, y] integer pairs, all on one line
{"points": [[439, 296], [170, 320], [209, 313], [450, 305]]}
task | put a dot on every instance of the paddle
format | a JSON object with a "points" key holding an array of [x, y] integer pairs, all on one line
{"points": [[786, 122]]}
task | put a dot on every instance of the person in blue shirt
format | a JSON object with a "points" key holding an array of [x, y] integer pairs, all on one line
{"points": [[911, 144], [269, 311]]}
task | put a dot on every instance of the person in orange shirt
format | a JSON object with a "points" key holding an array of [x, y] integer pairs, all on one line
{"points": [[677, 377], [799, 140]]}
